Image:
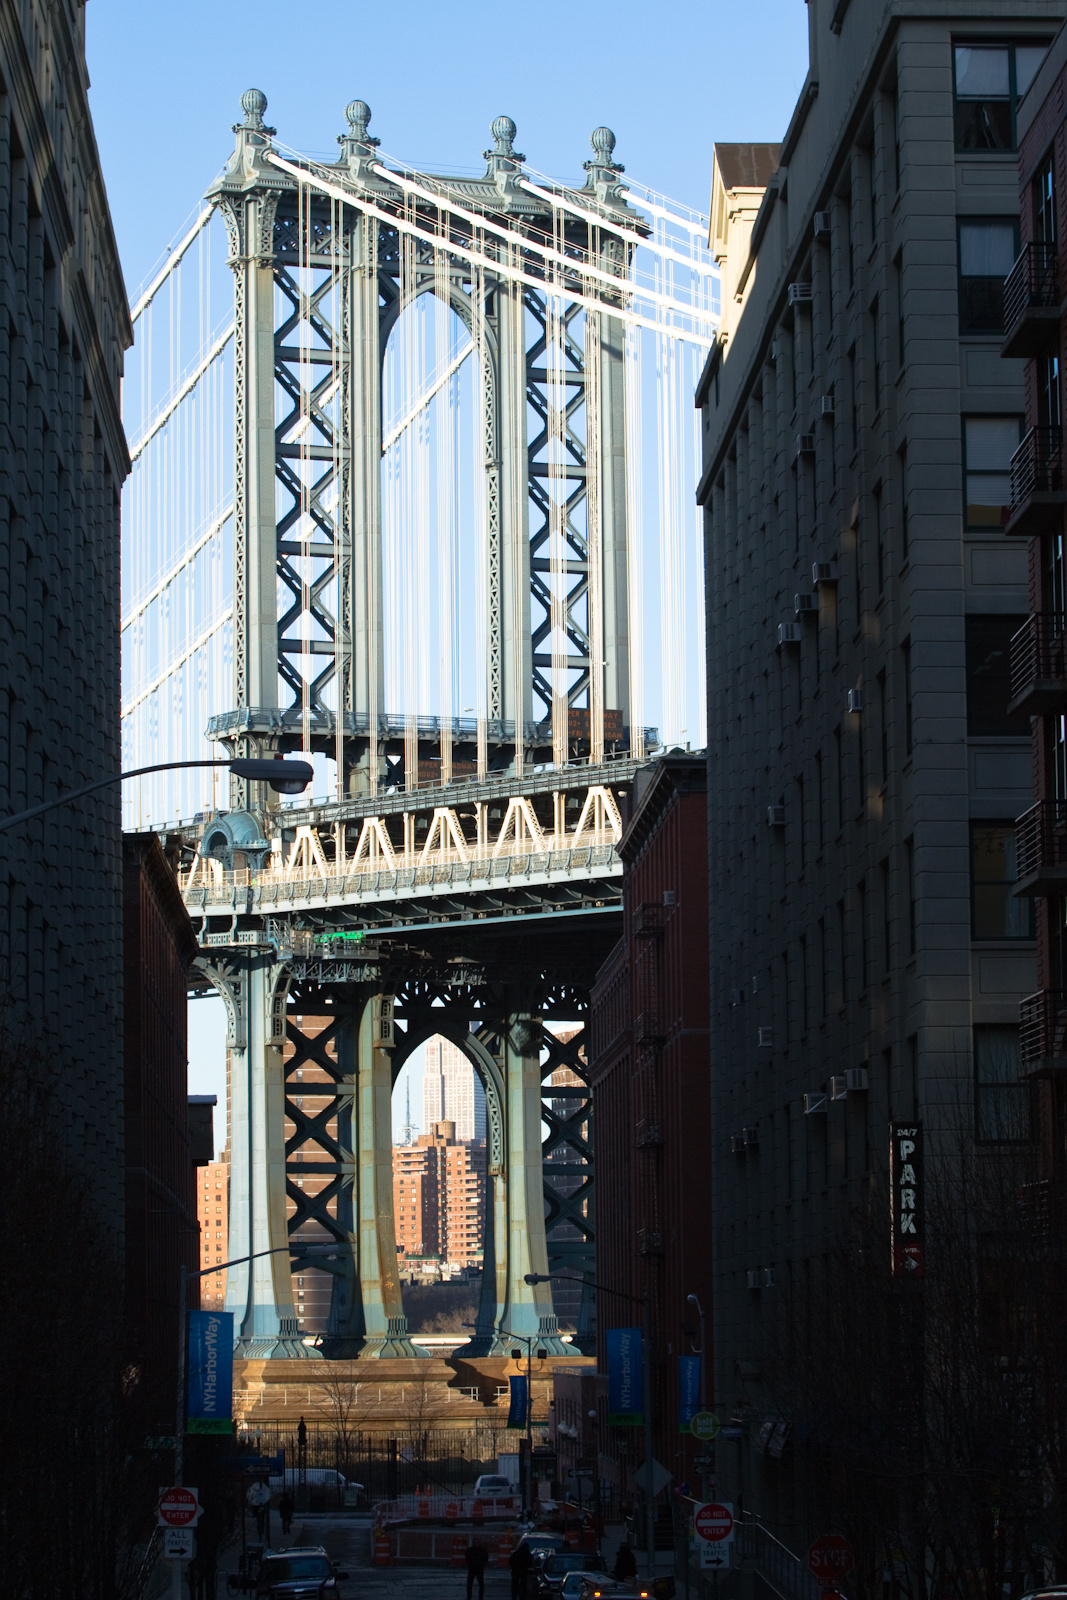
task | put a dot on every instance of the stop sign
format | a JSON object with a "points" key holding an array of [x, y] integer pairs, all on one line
{"points": [[713, 1522], [178, 1508], [830, 1558]]}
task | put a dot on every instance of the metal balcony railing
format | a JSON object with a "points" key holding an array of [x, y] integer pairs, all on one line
{"points": [[1032, 286], [1039, 664], [1043, 1032], [1037, 486], [1041, 847]]}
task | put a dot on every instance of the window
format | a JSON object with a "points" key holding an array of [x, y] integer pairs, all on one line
{"points": [[1048, 392], [1001, 1102], [990, 78], [853, 408], [902, 458], [988, 655], [913, 920], [988, 446], [1044, 193], [996, 912], [876, 366], [909, 731], [988, 247], [898, 281]]}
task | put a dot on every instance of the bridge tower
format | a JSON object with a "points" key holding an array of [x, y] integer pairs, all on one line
{"points": [[325, 257]]}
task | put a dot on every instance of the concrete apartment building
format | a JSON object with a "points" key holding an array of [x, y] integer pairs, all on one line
{"points": [[439, 1197], [865, 770]]}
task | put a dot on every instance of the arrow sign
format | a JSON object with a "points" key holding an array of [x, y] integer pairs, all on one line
{"points": [[179, 1544], [714, 1522], [713, 1555], [178, 1508]]}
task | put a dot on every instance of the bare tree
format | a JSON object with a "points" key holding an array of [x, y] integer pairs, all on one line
{"points": [[337, 1401]]}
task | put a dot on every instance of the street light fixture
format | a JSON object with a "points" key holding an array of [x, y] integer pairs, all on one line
{"points": [[643, 1301], [286, 777]]}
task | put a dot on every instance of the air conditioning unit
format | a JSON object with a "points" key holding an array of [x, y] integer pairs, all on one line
{"points": [[855, 699], [826, 405], [838, 1089], [789, 633], [806, 605], [799, 294], [754, 1275], [822, 224], [814, 1104], [776, 816], [737, 1144], [767, 1279], [669, 897], [751, 1136], [765, 1038], [805, 444], [857, 1081], [823, 572], [737, 997]]}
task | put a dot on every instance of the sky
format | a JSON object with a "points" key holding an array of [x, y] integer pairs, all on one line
{"points": [[166, 82]]}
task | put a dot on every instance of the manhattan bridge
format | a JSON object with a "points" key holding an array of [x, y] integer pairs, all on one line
{"points": [[412, 494]]}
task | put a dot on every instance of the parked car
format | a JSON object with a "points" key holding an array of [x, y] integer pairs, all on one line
{"points": [[314, 1478], [598, 1588], [492, 1486], [304, 1573], [561, 1564], [542, 1544], [573, 1585]]}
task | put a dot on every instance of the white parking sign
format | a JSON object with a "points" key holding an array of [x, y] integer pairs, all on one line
{"points": [[179, 1544]]}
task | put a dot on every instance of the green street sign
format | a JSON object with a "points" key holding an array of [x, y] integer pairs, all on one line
{"points": [[209, 1425], [704, 1425]]}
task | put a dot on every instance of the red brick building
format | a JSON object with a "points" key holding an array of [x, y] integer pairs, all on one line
{"points": [[160, 1208], [212, 1209], [439, 1197], [650, 1074], [1034, 320]]}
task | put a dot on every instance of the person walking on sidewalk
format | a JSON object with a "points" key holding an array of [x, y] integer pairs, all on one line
{"points": [[286, 1507], [520, 1561], [477, 1561]]}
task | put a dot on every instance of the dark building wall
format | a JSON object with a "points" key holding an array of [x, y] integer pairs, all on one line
{"points": [[651, 1095], [161, 1225], [64, 324]]}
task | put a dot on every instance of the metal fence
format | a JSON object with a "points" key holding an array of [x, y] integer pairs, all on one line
{"points": [[786, 1574], [447, 1460]]}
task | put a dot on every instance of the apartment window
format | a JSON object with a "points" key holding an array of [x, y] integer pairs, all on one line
{"points": [[988, 247], [879, 538], [822, 967], [1001, 1102], [864, 951], [853, 408], [996, 913], [840, 780], [909, 846], [887, 927], [872, 174], [1048, 392], [883, 729], [909, 736], [988, 659], [1044, 195], [820, 800], [876, 365], [848, 236], [988, 446], [898, 281], [902, 458], [990, 78], [842, 950]]}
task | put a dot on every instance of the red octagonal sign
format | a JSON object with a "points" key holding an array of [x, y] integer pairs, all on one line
{"points": [[713, 1522], [830, 1558], [178, 1508]]}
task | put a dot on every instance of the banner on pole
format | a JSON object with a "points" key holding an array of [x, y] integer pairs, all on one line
{"points": [[518, 1403], [210, 1385], [625, 1378], [688, 1391]]}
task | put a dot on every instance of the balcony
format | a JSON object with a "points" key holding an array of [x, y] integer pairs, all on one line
{"points": [[1032, 303], [1037, 487], [1043, 1033], [1039, 665], [1041, 845]]}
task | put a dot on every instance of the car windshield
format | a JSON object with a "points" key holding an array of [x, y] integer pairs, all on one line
{"points": [[283, 1569], [571, 1561]]}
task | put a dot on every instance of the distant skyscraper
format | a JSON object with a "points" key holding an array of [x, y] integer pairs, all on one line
{"points": [[452, 1091]]}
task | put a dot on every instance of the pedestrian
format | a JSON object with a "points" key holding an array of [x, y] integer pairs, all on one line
{"points": [[477, 1561], [520, 1561], [286, 1507], [625, 1564]]}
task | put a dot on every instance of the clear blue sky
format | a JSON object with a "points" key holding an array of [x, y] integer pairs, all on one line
{"points": [[167, 81]]}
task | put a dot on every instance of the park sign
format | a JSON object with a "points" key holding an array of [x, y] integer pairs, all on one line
{"points": [[210, 1385], [906, 1189]]}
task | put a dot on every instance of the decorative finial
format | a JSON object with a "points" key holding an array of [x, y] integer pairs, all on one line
{"points": [[503, 154], [603, 143], [357, 115], [253, 104]]}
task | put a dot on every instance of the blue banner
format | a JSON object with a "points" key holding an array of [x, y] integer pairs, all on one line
{"points": [[210, 1385], [688, 1390], [517, 1407], [625, 1378]]}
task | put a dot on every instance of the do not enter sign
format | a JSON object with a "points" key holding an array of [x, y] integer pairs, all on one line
{"points": [[178, 1508], [714, 1522], [830, 1558]]}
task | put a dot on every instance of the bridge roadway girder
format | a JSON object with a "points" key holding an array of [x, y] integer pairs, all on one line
{"points": [[490, 986]]}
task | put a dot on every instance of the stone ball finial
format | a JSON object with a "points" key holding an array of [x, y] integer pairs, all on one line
{"points": [[603, 142], [357, 115], [503, 131], [253, 104]]}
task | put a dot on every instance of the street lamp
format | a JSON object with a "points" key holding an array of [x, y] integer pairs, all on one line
{"points": [[286, 777], [529, 1340], [643, 1301]]}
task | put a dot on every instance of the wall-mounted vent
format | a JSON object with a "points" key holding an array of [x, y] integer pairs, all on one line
{"points": [[799, 294]]}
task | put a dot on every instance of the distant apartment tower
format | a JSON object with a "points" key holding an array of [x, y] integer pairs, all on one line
{"points": [[867, 954], [212, 1199], [452, 1091], [439, 1197]]}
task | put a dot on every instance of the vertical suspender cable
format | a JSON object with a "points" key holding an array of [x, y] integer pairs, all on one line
{"points": [[484, 446]]}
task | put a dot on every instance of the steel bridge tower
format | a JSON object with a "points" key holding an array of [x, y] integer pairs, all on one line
{"points": [[477, 906]]}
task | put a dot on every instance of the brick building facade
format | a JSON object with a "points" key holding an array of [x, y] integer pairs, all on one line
{"points": [[439, 1197]]}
